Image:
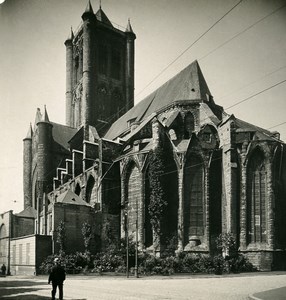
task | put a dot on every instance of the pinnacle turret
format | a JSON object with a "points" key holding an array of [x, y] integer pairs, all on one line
{"points": [[101, 17], [38, 116], [129, 31], [89, 8], [70, 36], [129, 27], [46, 117], [88, 11], [29, 133]]}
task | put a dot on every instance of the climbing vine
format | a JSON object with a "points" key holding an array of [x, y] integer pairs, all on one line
{"points": [[61, 236], [86, 231], [158, 202]]}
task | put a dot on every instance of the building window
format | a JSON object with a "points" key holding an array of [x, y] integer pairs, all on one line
{"points": [[207, 137], [77, 190], [14, 254], [20, 254], [27, 253], [132, 190], [256, 198], [51, 223], [189, 125], [194, 187], [3, 241]]}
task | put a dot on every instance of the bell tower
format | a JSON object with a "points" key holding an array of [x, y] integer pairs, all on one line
{"points": [[99, 72]]}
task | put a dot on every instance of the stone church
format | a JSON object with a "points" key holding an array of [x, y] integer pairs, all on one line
{"points": [[220, 174]]}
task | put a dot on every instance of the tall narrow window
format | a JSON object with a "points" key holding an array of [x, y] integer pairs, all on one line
{"points": [[77, 190], [20, 254], [14, 254], [189, 125], [133, 191], [193, 188], [256, 198], [3, 241], [27, 253]]}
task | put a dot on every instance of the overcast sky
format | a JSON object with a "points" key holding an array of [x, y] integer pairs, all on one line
{"points": [[243, 55]]}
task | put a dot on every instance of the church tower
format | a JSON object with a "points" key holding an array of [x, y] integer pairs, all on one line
{"points": [[99, 72]]}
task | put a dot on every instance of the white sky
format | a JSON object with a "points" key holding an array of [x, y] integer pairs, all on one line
{"points": [[32, 61]]}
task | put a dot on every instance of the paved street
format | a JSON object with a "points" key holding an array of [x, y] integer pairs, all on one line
{"points": [[198, 287]]}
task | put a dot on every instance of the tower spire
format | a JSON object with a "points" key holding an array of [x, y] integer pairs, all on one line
{"points": [[89, 8], [129, 27], [46, 117]]}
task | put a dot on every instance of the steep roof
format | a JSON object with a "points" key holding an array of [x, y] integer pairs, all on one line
{"points": [[29, 133], [28, 212], [188, 85], [101, 16], [261, 134], [69, 197], [62, 134]]}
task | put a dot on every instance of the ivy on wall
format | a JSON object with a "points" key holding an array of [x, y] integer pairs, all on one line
{"points": [[61, 236], [158, 201]]}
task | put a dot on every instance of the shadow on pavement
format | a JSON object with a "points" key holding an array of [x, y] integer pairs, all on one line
{"points": [[16, 283], [20, 289], [26, 297], [6, 292]]}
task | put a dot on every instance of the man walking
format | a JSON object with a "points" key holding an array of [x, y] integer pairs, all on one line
{"points": [[57, 277]]}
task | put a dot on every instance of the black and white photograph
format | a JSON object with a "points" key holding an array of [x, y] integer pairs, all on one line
{"points": [[143, 149]]}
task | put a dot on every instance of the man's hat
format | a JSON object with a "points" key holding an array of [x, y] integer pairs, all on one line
{"points": [[56, 259]]}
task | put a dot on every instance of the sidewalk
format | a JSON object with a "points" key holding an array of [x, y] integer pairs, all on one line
{"points": [[275, 294]]}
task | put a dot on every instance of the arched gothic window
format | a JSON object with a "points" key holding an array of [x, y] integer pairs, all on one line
{"points": [[189, 125], [256, 198], [77, 189], [194, 193], [133, 193]]}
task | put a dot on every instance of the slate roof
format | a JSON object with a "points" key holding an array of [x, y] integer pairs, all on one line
{"points": [[188, 85], [28, 212], [101, 16], [69, 197], [261, 134], [62, 134]]}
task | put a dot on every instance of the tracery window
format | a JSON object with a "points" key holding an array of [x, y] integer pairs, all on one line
{"points": [[194, 187], [189, 125], [133, 192], [256, 198]]}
